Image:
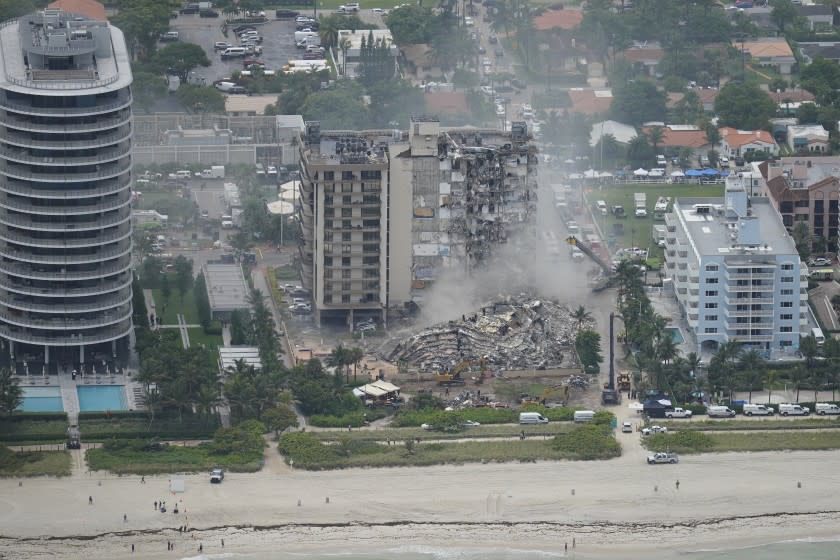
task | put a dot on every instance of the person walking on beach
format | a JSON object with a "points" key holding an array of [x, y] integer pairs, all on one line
{"points": [[678, 485], [125, 518], [155, 506], [90, 500], [200, 548], [132, 549], [142, 480], [223, 543]]}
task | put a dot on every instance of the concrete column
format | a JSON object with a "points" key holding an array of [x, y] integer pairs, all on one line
{"points": [[114, 348], [12, 350], [351, 319], [81, 353], [46, 354]]}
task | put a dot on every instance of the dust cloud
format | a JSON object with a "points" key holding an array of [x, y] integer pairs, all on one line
{"points": [[536, 262]]}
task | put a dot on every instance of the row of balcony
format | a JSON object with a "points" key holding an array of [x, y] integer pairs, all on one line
{"points": [[100, 188], [12, 137], [23, 221], [15, 269], [329, 226], [118, 234], [103, 319], [105, 171], [102, 106], [60, 126], [64, 338], [64, 258], [103, 155], [100, 304], [22, 205], [59, 290]]}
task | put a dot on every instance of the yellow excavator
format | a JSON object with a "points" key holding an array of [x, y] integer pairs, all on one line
{"points": [[559, 394], [453, 376]]}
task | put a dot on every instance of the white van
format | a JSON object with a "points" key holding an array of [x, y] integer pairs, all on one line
{"points": [[234, 51], [817, 333], [790, 409], [717, 411], [532, 418], [758, 410], [602, 207], [584, 415], [827, 408]]}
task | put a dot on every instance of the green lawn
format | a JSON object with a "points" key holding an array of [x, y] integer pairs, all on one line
{"points": [[176, 304], [489, 431], [198, 336], [638, 232], [698, 442], [763, 424], [168, 459], [34, 463]]}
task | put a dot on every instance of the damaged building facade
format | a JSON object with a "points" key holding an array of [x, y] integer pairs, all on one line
{"points": [[385, 212]]}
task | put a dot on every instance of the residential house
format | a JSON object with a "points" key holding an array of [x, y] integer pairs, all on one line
{"points": [[644, 56], [773, 52], [805, 189], [829, 50], [590, 101], [820, 17], [623, 133], [677, 137], [739, 143], [808, 138], [567, 19]]}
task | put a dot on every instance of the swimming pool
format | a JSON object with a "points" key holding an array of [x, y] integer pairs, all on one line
{"points": [[41, 399], [676, 335], [101, 397]]}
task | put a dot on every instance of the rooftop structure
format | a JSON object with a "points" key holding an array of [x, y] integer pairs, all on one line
{"points": [[230, 355], [248, 105], [226, 288], [65, 161], [736, 273]]}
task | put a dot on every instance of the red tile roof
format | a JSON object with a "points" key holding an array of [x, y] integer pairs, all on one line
{"points": [[444, 102], [642, 55], [737, 138], [558, 19], [682, 138], [89, 8], [590, 101]]}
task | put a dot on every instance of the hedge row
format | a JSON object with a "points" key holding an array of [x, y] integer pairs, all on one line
{"points": [[138, 428], [42, 430], [27, 416], [408, 418]]}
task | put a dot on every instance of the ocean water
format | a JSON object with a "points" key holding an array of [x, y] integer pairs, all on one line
{"points": [[802, 549]]}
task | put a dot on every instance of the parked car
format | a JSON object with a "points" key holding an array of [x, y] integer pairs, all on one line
{"points": [[663, 457], [627, 428], [217, 476], [819, 261], [239, 29], [654, 430], [221, 46], [169, 36]]}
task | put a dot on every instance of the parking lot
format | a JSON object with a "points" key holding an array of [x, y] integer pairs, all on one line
{"points": [[278, 44]]}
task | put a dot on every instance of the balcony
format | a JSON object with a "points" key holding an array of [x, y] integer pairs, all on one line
{"points": [[761, 288], [21, 123], [22, 155], [108, 334], [103, 188], [757, 276], [107, 171], [99, 223], [766, 325], [751, 338], [120, 201], [39, 273], [750, 313], [70, 242], [66, 258], [66, 323], [101, 304], [25, 140], [57, 290], [123, 100]]}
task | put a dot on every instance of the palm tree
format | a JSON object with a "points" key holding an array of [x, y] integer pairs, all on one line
{"points": [[770, 378], [11, 394], [692, 363], [354, 356], [798, 375], [809, 349], [581, 316], [206, 399], [339, 358], [666, 348], [655, 136], [328, 31], [344, 45]]}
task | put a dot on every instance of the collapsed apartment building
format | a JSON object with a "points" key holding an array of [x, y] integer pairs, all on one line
{"points": [[384, 212], [519, 333]]}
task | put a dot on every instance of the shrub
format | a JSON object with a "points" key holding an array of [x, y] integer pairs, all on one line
{"points": [[354, 419], [213, 329], [24, 416], [604, 418], [587, 442], [305, 448], [20, 429], [681, 442]]}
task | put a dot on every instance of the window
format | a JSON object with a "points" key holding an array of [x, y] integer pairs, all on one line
{"points": [[711, 317], [787, 292], [787, 278], [327, 261], [787, 266], [345, 286], [345, 261], [368, 175], [802, 203], [785, 329], [345, 298], [345, 273], [328, 247], [819, 206], [327, 298], [711, 293], [346, 212], [328, 274], [329, 175], [346, 248], [711, 280], [370, 236], [711, 268], [329, 212], [346, 187], [711, 306], [347, 176], [345, 236], [786, 317], [710, 330], [346, 199], [786, 304], [345, 224], [784, 343], [328, 237], [328, 201]]}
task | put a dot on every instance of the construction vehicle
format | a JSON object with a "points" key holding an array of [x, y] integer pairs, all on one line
{"points": [[559, 393], [609, 395], [453, 376], [74, 439], [623, 381]]}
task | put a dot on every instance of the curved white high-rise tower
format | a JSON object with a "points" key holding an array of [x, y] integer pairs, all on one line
{"points": [[65, 163]]}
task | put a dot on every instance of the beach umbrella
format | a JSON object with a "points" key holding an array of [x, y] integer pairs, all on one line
{"points": [[605, 174], [725, 174], [678, 173], [281, 207], [693, 173], [640, 172], [710, 172]]}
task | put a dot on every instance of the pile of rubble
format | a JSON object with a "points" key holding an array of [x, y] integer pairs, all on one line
{"points": [[519, 333]]}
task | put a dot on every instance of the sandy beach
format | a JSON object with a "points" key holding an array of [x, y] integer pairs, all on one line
{"points": [[618, 506]]}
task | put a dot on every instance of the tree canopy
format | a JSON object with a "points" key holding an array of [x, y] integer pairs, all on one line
{"points": [[637, 102], [744, 106]]}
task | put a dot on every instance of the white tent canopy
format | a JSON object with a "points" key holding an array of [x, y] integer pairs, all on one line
{"points": [[281, 207], [641, 172], [678, 173]]}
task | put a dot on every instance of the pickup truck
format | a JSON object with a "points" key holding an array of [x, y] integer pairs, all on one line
{"points": [[677, 413], [663, 457]]}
